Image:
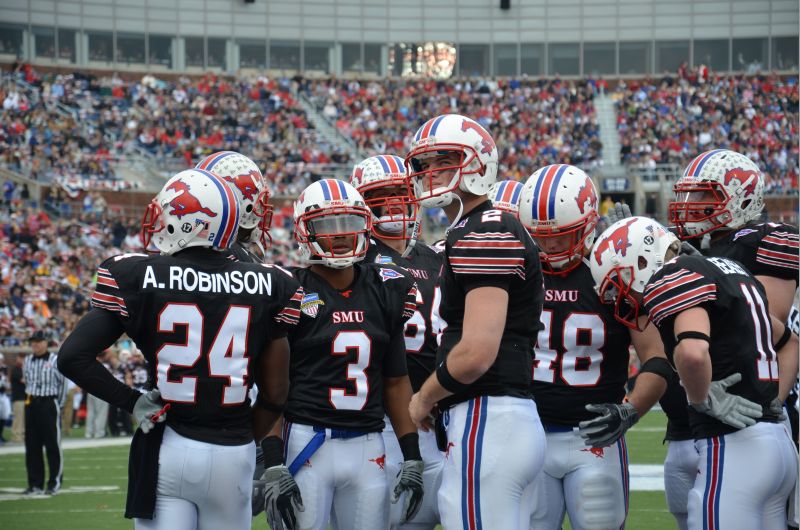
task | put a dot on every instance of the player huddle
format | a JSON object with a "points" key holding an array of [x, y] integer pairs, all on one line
{"points": [[499, 355]]}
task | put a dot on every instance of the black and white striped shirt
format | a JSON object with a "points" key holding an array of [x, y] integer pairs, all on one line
{"points": [[42, 378]]}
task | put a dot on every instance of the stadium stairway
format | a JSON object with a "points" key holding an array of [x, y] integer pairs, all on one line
{"points": [[607, 120], [328, 130]]}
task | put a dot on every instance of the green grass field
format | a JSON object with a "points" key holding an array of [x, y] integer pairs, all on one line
{"points": [[95, 480]]}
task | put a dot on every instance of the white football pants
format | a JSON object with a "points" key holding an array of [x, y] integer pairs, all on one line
{"points": [[680, 471], [496, 447], [202, 486]]}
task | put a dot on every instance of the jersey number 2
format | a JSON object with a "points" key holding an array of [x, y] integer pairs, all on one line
{"points": [[227, 357], [547, 358]]}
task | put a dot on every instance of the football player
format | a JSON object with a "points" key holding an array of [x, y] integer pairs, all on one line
{"points": [[491, 301], [714, 321], [581, 363], [720, 198], [252, 191], [348, 369], [382, 182], [505, 195], [208, 327]]}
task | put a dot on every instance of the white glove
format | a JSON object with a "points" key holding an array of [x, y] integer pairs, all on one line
{"points": [[730, 409], [619, 212], [148, 406], [282, 499], [409, 481]]}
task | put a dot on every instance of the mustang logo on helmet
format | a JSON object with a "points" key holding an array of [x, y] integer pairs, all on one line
{"points": [[616, 240], [742, 175], [487, 143], [185, 203], [245, 183], [586, 193], [358, 174]]}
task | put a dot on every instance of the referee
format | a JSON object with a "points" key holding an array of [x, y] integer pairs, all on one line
{"points": [[46, 391]]}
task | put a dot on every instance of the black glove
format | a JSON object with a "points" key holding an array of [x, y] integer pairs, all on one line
{"points": [[609, 427], [147, 406], [409, 481], [281, 498]]}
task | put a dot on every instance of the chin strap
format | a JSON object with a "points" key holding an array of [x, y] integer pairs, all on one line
{"points": [[412, 240], [705, 243], [458, 217]]}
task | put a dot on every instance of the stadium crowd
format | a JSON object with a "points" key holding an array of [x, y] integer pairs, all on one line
{"points": [[534, 122], [670, 120]]}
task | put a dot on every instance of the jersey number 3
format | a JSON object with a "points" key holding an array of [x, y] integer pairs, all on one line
{"points": [[576, 353], [227, 357]]}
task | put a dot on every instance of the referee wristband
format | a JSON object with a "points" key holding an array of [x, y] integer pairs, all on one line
{"points": [[787, 334], [448, 382]]}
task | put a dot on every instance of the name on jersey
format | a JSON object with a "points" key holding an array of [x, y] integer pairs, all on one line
{"points": [[558, 295], [727, 266], [232, 282], [346, 317]]}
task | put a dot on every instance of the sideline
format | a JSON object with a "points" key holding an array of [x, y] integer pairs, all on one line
{"points": [[70, 443]]}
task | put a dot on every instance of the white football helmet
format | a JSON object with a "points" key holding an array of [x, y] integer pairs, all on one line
{"points": [[505, 195], [332, 224], [718, 189], [250, 186], [474, 173], [560, 201], [195, 208], [624, 258], [382, 181]]}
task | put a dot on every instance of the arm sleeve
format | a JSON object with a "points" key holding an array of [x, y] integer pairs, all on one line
{"points": [[77, 359], [487, 257], [675, 291], [778, 254]]}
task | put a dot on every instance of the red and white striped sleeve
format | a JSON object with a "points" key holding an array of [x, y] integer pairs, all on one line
{"points": [[488, 255], [289, 315], [779, 251], [676, 292], [107, 294]]}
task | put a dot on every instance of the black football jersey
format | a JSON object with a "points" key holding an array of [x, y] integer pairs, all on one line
{"points": [[676, 407], [582, 351], [201, 320], [765, 249], [741, 332], [346, 342], [240, 251], [491, 248], [423, 264]]}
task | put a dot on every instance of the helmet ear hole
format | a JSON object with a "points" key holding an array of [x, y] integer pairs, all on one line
{"points": [[170, 229], [642, 263]]}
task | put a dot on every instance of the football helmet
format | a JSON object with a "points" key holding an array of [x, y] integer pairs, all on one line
{"points": [[332, 224], [382, 181], [476, 170], [718, 189], [560, 201], [250, 187], [505, 195], [195, 208], [624, 258]]}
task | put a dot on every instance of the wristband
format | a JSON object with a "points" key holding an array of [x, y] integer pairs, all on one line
{"points": [[409, 446], [693, 335], [448, 382], [787, 334], [273, 451]]}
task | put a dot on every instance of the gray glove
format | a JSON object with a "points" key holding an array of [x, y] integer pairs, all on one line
{"points": [[149, 410], [609, 427], [776, 408], [619, 212], [282, 498], [730, 409], [409, 481]]}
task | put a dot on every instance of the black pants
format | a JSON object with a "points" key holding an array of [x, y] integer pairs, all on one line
{"points": [[43, 429]]}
